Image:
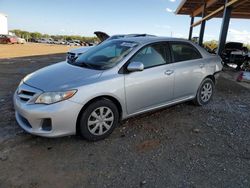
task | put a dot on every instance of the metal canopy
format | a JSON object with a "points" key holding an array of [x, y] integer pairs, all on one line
{"points": [[214, 8], [208, 9]]}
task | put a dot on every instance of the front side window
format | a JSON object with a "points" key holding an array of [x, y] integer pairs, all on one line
{"points": [[152, 55], [184, 52], [105, 55]]}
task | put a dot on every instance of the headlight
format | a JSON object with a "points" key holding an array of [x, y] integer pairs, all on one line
{"points": [[53, 97]]}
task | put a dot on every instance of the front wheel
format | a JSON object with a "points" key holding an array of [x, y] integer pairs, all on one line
{"points": [[99, 120], [205, 92]]}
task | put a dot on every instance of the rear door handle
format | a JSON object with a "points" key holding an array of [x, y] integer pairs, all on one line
{"points": [[169, 72]]}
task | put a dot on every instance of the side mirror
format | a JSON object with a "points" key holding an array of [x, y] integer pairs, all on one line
{"points": [[135, 66]]}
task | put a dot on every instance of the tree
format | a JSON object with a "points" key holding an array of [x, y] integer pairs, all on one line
{"points": [[45, 36], [211, 44], [36, 35], [68, 38], [17, 32], [25, 35]]}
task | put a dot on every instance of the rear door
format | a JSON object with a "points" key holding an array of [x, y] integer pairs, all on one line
{"points": [[152, 86], [189, 69]]}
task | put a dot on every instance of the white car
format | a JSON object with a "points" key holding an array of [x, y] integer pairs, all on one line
{"points": [[21, 40], [74, 53]]}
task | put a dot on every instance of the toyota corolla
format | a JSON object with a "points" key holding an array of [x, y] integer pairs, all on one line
{"points": [[113, 81]]}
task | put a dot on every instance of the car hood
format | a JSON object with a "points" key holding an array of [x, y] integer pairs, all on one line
{"points": [[80, 50], [61, 76], [101, 35], [233, 46]]}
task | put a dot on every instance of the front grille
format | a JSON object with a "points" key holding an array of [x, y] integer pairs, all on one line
{"points": [[71, 57], [26, 93]]}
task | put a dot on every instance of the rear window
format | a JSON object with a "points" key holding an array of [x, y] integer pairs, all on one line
{"points": [[184, 52]]}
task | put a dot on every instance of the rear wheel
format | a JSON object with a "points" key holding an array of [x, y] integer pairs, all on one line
{"points": [[99, 120], [205, 92]]}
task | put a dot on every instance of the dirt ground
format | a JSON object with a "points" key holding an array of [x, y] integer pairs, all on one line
{"points": [[31, 49], [180, 146]]}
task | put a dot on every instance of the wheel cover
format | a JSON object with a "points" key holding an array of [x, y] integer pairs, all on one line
{"points": [[206, 92], [100, 120]]}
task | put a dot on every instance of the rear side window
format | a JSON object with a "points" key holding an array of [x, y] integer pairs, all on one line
{"points": [[184, 52], [152, 55]]}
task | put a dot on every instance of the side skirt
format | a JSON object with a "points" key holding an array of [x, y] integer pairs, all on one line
{"points": [[171, 103]]}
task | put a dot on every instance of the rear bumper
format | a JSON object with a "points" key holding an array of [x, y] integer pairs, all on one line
{"points": [[62, 116]]}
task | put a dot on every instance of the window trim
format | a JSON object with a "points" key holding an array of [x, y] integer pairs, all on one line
{"points": [[123, 69], [186, 43]]}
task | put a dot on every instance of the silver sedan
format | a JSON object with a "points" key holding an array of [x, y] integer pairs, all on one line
{"points": [[113, 81]]}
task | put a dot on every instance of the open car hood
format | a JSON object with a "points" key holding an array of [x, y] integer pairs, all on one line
{"points": [[233, 46], [101, 35]]}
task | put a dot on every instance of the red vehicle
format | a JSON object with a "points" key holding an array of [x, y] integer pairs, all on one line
{"points": [[8, 39]]}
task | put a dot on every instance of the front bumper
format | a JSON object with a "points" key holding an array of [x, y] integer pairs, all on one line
{"points": [[63, 116]]}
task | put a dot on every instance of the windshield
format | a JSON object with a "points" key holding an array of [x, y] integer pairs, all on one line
{"points": [[106, 55]]}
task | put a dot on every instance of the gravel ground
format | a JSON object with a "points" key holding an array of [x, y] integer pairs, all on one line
{"points": [[181, 146]]}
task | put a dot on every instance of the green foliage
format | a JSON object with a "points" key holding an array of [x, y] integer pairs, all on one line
{"points": [[36, 35], [248, 46], [45, 36], [22, 34], [211, 44], [214, 44]]}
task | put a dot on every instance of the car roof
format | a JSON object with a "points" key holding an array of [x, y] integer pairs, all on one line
{"points": [[151, 39]]}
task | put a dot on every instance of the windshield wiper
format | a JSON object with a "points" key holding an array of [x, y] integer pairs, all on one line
{"points": [[83, 64]]}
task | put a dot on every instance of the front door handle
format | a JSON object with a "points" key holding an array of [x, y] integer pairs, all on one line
{"points": [[169, 72]]}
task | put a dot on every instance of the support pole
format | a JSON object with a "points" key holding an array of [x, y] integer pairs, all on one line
{"points": [[224, 28], [191, 28], [203, 24]]}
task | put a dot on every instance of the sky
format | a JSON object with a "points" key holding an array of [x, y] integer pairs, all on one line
{"points": [[83, 17]]}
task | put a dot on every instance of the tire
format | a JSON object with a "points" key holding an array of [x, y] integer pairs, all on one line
{"points": [[93, 127], [205, 92]]}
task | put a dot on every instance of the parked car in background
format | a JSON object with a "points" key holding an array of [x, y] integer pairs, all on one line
{"points": [[34, 40], [8, 39], [46, 40], [51, 41], [74, 43], [73, 54], [56, 41], [114, 81], [20, 40], [43, 40], [60, 41], [234, 53]]}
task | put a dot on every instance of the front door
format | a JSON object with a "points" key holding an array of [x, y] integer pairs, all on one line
{"points": [[154, 85]]}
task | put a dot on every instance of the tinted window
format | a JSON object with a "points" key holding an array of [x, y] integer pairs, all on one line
{"points": [[184, 52], [152, 55]]}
